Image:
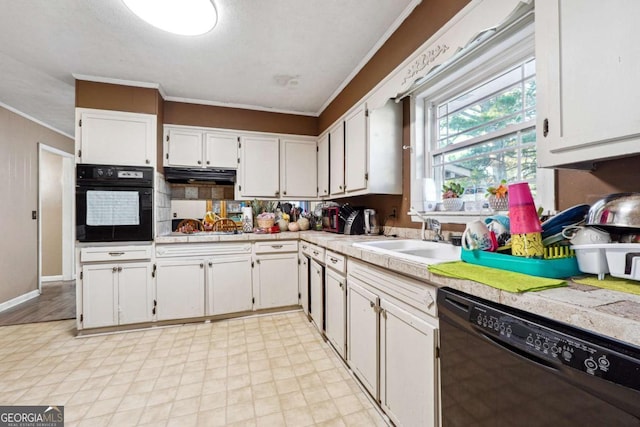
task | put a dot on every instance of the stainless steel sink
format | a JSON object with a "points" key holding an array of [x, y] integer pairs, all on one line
{"points": [[414, 250]]}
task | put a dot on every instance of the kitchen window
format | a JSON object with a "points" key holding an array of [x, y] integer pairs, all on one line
{"points": [[475, 121]]}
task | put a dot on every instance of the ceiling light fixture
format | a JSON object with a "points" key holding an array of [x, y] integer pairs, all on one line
{"points": [[184, 17]]}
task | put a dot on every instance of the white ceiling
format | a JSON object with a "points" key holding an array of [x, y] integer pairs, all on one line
{"points": [[276, 55]]}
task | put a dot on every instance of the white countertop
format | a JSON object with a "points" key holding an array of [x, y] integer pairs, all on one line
{"points": [[610, 313]]}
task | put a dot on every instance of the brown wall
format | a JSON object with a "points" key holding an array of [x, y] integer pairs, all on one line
{"points": [[180, 113], [19, 139], [105, 96], [51, 213], [427, 18], [613, 176]]}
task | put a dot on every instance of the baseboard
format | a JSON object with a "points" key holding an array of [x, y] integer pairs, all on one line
{"points": [[19, 300], [57, 278]]}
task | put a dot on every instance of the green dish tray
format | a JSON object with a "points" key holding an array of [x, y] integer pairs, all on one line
{"points": [[552, 268]]}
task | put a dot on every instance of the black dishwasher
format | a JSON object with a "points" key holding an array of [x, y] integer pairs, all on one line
{"points": [[500, 366]]}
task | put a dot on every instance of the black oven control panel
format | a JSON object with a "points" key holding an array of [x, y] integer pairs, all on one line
{"points": [[556, 348], [114, 174]]}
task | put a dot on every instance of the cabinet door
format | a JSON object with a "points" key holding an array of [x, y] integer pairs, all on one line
{"points": [[587, 87], [336, 159], [298, 169], [229, 285], [259, 167], [362, 333], [335, 310], [116, 138], [183, 147], [355, 147], [135, 293], [221, 151], [276, 279], [407, 367], [316, 293], [303, 282], [323, 166], [180, 289], [99, 295]]}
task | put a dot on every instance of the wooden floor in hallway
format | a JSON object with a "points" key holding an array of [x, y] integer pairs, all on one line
{"points": [[57, 302]]}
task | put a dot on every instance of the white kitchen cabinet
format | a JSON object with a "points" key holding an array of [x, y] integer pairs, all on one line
{"points": [[335, 310], [303, 281], [183, 147], [316, 292], [116, 294], [373, 150], [197, 147], [336, 159], [587, 63], [391, 342], [115, 137], [355, 149], [229, 283], [298, 168], [362, 327], [275, 274], [323, 165], [180, 288], [407, 363], [259, 169]]}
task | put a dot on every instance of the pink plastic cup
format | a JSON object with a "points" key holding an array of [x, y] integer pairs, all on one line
{"points": [[523, 215]]}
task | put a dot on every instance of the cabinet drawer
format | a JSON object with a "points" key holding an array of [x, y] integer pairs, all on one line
{"points": [[305, 247], [336, 261], [316, 252], [276, 247], [115, 253]]}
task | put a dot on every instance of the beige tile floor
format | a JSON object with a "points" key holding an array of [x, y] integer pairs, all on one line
{"points": [[270, 370]]}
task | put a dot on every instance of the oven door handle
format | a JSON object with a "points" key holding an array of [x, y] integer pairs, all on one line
{"points": [[543, 363]]}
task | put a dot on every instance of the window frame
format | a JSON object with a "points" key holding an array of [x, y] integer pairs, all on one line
{"points": [[502, 51]]}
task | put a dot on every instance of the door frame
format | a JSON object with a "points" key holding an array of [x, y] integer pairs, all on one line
{"points": [[68, 212]]}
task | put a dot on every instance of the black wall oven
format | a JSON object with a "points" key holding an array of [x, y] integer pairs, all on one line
{"points": [[114, 203]]}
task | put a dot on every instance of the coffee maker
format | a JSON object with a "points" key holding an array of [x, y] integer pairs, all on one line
{"points": [[370, 222]]}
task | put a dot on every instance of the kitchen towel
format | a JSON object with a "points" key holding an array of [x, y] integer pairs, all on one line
{"points": [[500, 279], [611, 283]]}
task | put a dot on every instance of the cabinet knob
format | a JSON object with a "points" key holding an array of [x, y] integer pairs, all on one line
{"points": [[199, 162], [373, 304], [340, 187], [201, 265], [147, 161], [114, 269], [285, 193], [208, 162], [119, 268], [277, 193], [210, 264]]}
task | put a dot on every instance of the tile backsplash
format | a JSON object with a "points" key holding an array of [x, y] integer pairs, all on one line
{"points": [[163, 206]]}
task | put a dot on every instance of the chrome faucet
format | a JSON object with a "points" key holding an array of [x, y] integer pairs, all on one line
{"points": [[430, 223]]}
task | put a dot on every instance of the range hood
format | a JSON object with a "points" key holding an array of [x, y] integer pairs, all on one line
{"points": [[200, 175]]}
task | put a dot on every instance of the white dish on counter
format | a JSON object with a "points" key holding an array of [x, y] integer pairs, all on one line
{"points": [[619, 259]]}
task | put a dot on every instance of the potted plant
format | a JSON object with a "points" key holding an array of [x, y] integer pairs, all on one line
{"points": [[498, 197], [451, 193]]}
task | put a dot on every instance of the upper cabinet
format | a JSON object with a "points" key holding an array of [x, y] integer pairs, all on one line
{"points": [[115, 137], [336, 159], [323, 165], [372, 150], [259, 168], [190, 147], [298, 168], [587, 63]]}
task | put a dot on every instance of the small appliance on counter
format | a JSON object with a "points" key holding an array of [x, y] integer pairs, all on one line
{"points": [[370, 222], [355, 223]]}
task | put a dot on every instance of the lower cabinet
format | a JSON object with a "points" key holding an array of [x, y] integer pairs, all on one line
{"points": [[275, 280], [391, 343], [316, 293], [303, 282], [116, 294], [335, 306], [229, 284], [407, 367], [180, 288]]}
